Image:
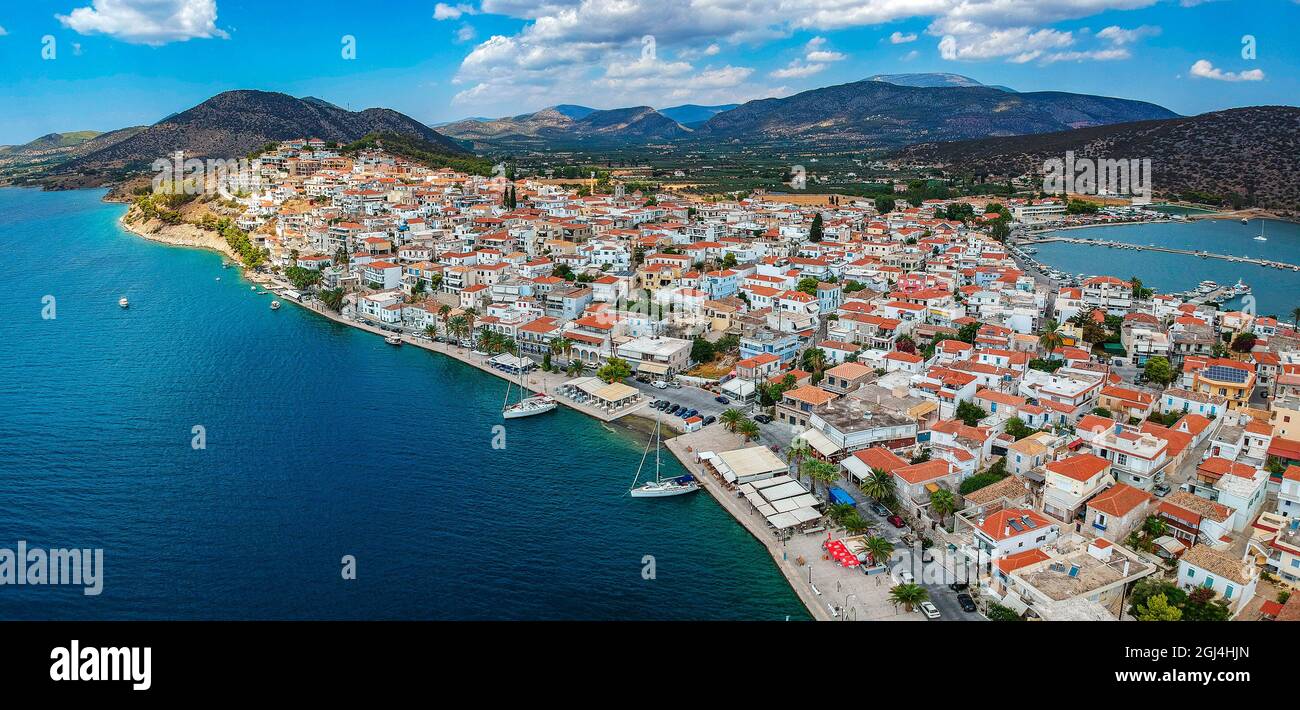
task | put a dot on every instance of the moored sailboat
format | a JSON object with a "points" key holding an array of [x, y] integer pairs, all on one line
{"points": [[527, 406], [660, 487]]}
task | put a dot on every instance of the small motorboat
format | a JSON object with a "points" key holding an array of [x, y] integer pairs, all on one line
{"points": [[123, 302], [393, 340], [275, 305]]}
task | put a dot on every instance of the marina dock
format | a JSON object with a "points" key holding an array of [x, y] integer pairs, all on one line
{"points": [[1167, 250]]}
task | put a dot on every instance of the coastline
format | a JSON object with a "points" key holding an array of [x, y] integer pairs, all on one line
{"points": [[634, 420]]}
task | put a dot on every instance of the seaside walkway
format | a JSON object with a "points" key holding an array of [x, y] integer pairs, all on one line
{"points": [[820, 584], [536, 381], [1167, 250]]}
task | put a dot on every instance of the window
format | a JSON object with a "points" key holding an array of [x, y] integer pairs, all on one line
{"points": [[1191, 573], [1227, 593]]}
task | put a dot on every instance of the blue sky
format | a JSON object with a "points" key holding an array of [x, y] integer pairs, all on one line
{"points": [[115, 63]]}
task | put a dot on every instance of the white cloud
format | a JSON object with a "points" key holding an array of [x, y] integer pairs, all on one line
{"points": [[1018, 44], [797, 70], [1203, 69], [1095, 55], [443, 11], [563, 46], [1118, 35], [816, 54], [909, 56], [151, 22], [466, 33], [3, 32]]}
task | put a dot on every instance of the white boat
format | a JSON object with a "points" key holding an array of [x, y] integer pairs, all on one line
{"points": [[527, 406], [1240, 287], [252, 288], [1260, 237], [393, 340], [1245, 221], [123, 302], [275, 305], [660, 487]]}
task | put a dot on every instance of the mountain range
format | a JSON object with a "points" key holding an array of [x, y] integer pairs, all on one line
{"points": [[869, 113], [954, 121], [1238, 156], [234, 124]]}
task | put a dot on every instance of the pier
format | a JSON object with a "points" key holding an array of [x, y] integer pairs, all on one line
{"points": [[1167, 250]]}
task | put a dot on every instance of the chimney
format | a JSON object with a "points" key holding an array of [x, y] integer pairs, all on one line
{"points": [[1006, 531]]}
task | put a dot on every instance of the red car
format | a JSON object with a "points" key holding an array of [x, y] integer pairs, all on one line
{"points": [[895, 521]]}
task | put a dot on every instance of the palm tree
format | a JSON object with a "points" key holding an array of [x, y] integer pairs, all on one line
{"points": [[731, 418], [575, 368], [457, 326], [817, 470], [748, 429], [880, 549], [444, 312], [1050, 340], [469, 320], [879, 485], [855, 525], [1295, 317], [943, 503], [840, 512], [798, 451], [430, 331], [908, 595]]}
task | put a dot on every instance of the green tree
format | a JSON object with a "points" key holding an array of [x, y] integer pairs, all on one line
{"points": [[854, 524], [1244, 342], [333, 299], [1050, 340], [970, 413], [943, 503], [819, 471], [1018, 429], [748, 429], [1158, 608], [702, 351], [880, 549], [879, 484], [1159, 371], [615, 369], [997, 612], [815, 232], [908, 595], [731, 418]]}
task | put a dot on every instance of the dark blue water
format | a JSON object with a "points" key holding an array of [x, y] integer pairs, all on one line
{"points": [[1276, 292], [322, 441]]}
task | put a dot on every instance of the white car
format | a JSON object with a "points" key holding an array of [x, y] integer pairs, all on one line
{"points": [[930, 610], [659, 385], [906, 577]]}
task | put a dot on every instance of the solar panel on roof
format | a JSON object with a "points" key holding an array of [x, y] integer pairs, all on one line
{"points": [[1028, 523], [1015, 525]]}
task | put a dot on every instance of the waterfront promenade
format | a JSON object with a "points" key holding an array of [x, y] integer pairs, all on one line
{"points": [[821, 584]]}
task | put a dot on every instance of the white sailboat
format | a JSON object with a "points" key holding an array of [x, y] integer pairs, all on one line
{"points": [[526, 406], [1260, 237], [660, 487]]}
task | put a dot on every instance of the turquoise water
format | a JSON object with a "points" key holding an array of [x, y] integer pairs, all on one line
{"points": [[1275, 291], [322, 441]]}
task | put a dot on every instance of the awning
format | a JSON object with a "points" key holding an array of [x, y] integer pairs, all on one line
{"points": [[819, 442], [840, 497], [651, 368], [741, 389]]}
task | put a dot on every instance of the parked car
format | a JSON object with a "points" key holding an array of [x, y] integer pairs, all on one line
{"points": [[930, 610], [675, 384], [721, 400], [1161, 489], [762, 419], [675, 409], [959, 586], [966, 601], [895, 521], [659, 385], [709, 420], [905, 577], [690, 413], [880, 510]]}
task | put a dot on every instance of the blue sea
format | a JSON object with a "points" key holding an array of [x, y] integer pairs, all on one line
{"points": [[1276, 292], [321, 442]]}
